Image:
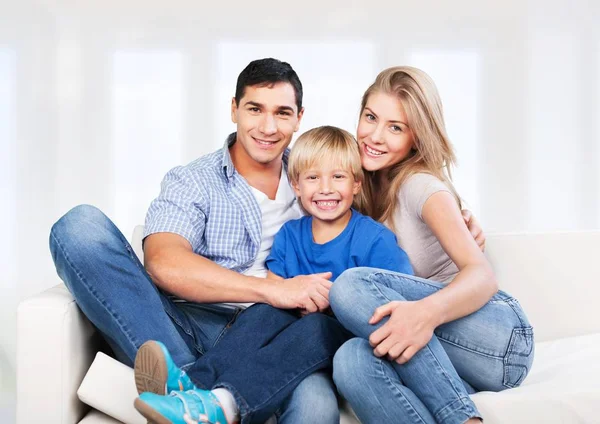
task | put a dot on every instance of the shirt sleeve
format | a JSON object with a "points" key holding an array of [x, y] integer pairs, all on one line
{"points": [[386, 254], [178, 209], [418, 189], [275, 262]]}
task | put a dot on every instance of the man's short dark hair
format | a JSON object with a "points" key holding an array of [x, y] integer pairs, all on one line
{"points": [[267, 72]]}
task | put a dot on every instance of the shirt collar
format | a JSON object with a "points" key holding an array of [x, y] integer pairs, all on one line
{"points": [[227, 163]]}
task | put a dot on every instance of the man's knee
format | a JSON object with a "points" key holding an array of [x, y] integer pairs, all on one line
{"points": [[82, 226]]}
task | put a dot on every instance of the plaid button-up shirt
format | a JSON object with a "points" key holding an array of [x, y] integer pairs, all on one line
{"points": [[212, 206]]}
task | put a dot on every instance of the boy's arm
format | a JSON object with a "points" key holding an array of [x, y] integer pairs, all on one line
{"points": [[386, 254]]}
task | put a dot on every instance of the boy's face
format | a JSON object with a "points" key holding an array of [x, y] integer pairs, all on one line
{"points": [[266, 119], [326, 191]]}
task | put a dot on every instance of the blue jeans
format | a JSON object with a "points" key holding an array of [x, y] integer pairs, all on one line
{"points": [[491, 349], [260, 354]]}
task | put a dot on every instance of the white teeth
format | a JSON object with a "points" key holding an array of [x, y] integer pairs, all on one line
{"points": [[265, 143], [373, 152], [327, 203]]}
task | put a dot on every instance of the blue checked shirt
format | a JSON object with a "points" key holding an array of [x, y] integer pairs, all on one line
{"points": [[212, 206]]}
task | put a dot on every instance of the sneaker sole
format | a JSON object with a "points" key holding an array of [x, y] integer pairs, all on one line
{"points": [[149, 413], [150, 370]]}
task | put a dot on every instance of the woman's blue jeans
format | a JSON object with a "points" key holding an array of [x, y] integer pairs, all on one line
{"points": [[268, 358], [491, 349]]}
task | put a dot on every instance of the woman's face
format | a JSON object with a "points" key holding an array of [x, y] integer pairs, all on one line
{"points": [[383, 134]]}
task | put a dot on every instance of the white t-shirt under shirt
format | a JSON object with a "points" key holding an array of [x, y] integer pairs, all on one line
{"points": [[275, 213], [426, 255]]}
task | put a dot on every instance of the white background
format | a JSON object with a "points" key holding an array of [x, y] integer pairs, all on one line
{"points": [[98, 99]]}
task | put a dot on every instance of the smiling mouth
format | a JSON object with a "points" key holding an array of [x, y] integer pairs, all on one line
{"points": [[265, 143], [371, 151], [326, 204]]}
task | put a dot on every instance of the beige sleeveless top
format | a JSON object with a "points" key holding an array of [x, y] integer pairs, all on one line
{"points": [[428, 258]]}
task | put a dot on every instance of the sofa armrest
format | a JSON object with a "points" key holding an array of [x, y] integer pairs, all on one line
{"points": [[55, 347]]}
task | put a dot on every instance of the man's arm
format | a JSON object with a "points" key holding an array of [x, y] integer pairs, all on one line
{"points": [[175, 268]]}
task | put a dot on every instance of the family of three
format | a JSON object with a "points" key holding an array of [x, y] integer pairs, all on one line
{"points": [[274, 280]]}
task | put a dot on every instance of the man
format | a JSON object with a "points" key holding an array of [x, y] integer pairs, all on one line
{"points": [[206, 238]]}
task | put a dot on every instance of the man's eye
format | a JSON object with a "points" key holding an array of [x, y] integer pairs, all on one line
{"points": [[284, 113], [254, 109]]}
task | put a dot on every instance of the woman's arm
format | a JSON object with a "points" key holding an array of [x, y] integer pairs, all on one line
{"points": [[475, 283], [411, 324]]}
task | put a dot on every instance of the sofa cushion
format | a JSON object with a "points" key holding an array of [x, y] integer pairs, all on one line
{"points": [[562, 387]]}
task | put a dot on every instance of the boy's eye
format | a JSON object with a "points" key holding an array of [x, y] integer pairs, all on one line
{"points": [[311, 177], [339, 176]]}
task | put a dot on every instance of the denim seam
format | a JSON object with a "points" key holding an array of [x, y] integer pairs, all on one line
{"points": [[489, 355], [443, 414], [448, 378], [400, 276], [229, 324], [200, 349], [93, 292], [398, 391]]}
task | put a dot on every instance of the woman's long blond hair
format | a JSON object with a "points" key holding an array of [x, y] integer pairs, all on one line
{"points": [[432, 151]]}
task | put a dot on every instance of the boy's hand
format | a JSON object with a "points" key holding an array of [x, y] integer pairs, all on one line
{"points": [[309, 293]]}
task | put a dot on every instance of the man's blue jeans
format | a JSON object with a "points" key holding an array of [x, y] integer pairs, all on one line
{"points": [[260, 361], [491, 349]]}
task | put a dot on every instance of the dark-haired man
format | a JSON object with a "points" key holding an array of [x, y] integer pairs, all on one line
{"points": [[206, 238]]}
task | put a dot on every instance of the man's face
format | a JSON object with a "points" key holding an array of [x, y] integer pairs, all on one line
{"points": [[266, 119]]}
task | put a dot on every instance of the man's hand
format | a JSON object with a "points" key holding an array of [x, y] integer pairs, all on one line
{"points": [[409, 328], [308, 293], [474, 228]]}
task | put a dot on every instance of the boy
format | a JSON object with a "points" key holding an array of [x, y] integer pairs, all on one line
{"points": [[326, 174]]}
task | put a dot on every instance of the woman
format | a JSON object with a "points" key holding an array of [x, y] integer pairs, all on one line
{"points": [[423, 343]]}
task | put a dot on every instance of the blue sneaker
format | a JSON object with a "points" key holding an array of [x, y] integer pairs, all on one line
{"points": [[155, 371], [200, 406]]}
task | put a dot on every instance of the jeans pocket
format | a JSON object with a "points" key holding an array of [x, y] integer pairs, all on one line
{"points": [[519, 356]]}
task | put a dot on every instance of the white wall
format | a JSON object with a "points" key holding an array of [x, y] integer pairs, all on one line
{"points": [[99, 98]]}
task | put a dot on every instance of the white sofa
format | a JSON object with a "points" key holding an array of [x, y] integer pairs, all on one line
{"points": [[555, 277]]}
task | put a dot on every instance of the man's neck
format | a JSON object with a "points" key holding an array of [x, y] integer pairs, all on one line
{"points": [[261, 176]]}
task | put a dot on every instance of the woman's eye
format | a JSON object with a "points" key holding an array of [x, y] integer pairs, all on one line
{"points": [[370, 117], [396, 128]]}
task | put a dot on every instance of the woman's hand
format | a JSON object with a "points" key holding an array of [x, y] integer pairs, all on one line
{"points": [[409, 328], [474, 228]]}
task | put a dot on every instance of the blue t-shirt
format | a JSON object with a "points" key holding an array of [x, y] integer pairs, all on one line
{"points": [[364, 242]]}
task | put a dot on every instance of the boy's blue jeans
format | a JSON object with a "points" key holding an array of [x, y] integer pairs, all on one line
{"points": [[261, 361], [491, 349]]}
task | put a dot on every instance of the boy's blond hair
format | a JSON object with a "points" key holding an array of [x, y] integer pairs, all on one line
{"points": [[325, 144]]}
